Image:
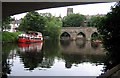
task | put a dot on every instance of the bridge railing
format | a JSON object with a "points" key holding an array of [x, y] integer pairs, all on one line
{"points": [[76, 27]]}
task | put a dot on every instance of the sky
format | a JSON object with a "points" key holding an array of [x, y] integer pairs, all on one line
{"points": [[87, 9]]}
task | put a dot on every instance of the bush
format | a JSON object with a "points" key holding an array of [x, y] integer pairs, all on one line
{"points": [[10, 36]]}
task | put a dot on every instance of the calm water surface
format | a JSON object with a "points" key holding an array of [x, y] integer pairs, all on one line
{"points": [[54, 58]]}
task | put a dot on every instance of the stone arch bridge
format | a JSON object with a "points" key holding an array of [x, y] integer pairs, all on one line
{"points": [[73, 32]]}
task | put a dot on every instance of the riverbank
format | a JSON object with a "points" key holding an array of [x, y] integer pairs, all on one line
{"points": [[10, 37]]}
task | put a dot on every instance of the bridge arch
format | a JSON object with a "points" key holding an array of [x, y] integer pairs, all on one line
{"points": [[80, 32], [65, 35], [81, 35], [94, 35]]}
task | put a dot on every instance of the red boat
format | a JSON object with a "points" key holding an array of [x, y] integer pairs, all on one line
{"points": [[30, 37]]}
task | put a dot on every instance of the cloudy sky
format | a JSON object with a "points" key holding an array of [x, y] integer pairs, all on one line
{"points": [[88, 9]]}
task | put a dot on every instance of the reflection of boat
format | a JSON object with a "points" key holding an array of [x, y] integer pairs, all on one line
{"points": [[33, 47], [30, 37], [23, 45], [97, 41]]}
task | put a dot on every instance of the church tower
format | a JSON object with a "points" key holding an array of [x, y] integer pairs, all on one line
{"points": [[69, 11]]}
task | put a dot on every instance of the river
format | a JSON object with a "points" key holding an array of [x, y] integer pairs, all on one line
{"points": [[53, 58]]}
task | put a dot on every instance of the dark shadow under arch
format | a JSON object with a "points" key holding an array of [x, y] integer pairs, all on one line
{"points": [[81, 35], [65, 36], [94, 36]]}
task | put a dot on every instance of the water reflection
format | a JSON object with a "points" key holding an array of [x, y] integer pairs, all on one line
{"points": [[52, 55], [34, 47], [82, 47], [80, 43], [30, 54], [6, 53]]}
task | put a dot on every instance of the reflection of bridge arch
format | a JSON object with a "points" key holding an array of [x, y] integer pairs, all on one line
{"points": [[82, 48], [80, 43], [65, 43]]}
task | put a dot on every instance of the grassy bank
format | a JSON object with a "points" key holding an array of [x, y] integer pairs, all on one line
{"points": [[10, 36]]}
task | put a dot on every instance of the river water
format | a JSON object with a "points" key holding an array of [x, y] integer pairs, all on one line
{"points": [[53, 58]]}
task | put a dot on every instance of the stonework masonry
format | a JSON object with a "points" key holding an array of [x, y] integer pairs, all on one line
{"points": [[74, 31]]}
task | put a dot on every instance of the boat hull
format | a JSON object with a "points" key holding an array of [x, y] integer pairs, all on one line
{"points": [[24, 40], [31, 37]]}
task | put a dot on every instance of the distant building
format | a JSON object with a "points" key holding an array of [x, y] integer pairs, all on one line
{"points": [[69, 11], [15, 24], [89, 16]]}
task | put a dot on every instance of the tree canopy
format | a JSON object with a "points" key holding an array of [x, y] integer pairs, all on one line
{"points": [[6, 23], [45, 23], [111, 36], [111, 25], [95, 21], [73, 20], [53, 25], [33, 21]]}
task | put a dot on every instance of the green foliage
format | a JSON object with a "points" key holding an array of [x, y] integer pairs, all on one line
{"points": [[6, 23], [50, 52], [53, 26], [10, 37], [6, 48], [111, 36], [73, 20], [98, 22], [31, 60], [45, 23], [95, 21], [32, 22], [111, 26]]}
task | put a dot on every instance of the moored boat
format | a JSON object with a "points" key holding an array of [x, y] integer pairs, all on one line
{"points": [[97, 41], [30, 37]]}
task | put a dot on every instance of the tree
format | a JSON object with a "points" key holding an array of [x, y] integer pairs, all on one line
{"points": [[6, 23], [53, 25], [95, 21], [33, 21], [45, 23], [111, 36], [73, 20], [31, 60], [111, 25]]}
